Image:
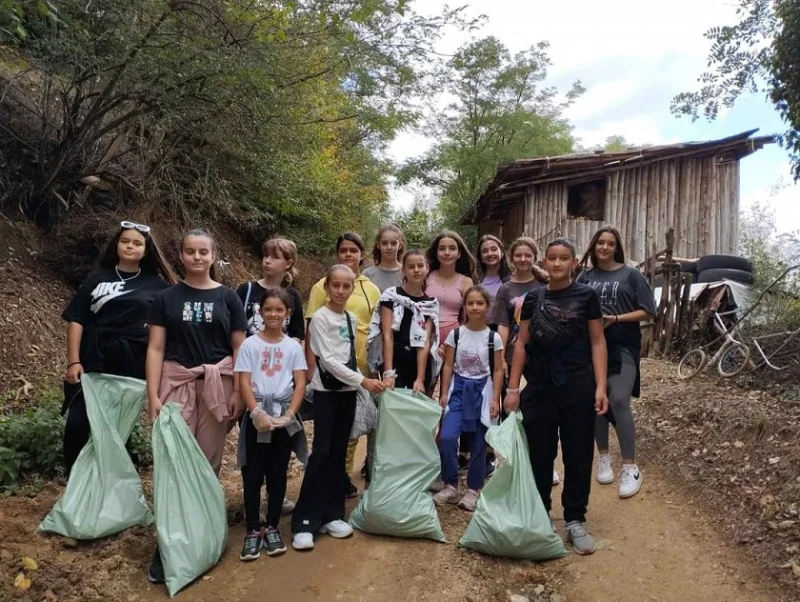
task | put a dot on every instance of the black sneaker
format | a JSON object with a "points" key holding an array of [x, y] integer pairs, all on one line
{"points": [[489, 468], [463, 463], [156, 572], [351, 490], [273, 543], [251, 550]]}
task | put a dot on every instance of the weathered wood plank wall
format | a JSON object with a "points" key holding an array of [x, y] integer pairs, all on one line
{"points": [[698, 196]]}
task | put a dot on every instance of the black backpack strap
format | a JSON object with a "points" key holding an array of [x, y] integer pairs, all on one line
{"points": [[455, 341], [491, 353], [352, 340]]}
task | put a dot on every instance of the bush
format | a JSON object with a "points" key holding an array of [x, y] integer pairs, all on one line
{"points": [[31, 442]]}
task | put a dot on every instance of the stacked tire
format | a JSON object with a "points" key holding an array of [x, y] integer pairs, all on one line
{"points": [[713, 268]]}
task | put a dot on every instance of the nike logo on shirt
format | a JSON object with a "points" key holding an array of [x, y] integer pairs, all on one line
{"points": [[105, 292]]}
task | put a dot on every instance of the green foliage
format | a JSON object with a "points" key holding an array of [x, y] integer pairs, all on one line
{"points": [[416, 225], [270, 116], [31, 443], [501, 112], [770, 253], [758, 54], [15, 13]]}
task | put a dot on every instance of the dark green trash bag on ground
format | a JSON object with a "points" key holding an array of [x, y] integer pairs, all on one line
{"points": [[406, 462], [510, 519], [191, 521], [103, 494]]}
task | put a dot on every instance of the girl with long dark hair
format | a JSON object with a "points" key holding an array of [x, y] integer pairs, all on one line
{"points": [[626, 300], [492, 269], [106, 331]]}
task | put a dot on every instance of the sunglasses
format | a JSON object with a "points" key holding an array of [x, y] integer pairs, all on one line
{"points": [[134, 226]]}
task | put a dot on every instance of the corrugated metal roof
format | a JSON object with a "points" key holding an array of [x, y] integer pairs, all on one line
{"points": [[512, 180]]}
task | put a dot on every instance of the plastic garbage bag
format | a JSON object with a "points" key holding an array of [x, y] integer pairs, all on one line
{"points": [[510, 519], [366, 414], [103, 494], [191, 521], [406, 462]]}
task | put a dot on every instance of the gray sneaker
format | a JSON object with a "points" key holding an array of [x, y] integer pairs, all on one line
{"points": [[581, 541]]}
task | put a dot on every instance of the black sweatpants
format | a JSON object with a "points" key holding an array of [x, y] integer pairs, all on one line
{"points": [[265, 461], [323, 491], [76, 428], [566, 413]]}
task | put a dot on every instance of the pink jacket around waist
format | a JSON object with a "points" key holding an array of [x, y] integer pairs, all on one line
{"points": [[179, 384]]}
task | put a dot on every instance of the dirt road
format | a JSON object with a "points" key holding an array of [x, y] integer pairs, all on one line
{"points": [[662, 545], [656, 546]]}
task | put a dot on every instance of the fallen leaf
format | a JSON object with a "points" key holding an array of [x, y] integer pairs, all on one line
{"points": [[796, 570], [29, 563], [774, 460], [738, 444], [22, 583]]}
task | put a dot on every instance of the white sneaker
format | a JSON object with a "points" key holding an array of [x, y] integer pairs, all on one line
{"points": [[605, 473], [630, 481], [288, 506], [556, 478], [337, 528], [303, 541]]}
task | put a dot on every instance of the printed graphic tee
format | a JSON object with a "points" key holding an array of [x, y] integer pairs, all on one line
{"points": [[109, 309], [472, 355], [271, 365], [573, 307], [199, 323], [294, 325], [621, 291]]}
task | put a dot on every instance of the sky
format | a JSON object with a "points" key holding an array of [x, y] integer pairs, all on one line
{"points": [[632, 56]]}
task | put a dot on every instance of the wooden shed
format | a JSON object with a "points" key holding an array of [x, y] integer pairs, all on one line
{"points": [[692, 187]]}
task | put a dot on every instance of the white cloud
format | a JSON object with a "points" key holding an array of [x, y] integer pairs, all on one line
{"points": [[633, 56]]}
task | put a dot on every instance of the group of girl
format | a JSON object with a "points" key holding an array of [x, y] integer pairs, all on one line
{"points": [[248, 356]]}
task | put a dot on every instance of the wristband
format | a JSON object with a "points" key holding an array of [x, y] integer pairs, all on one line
{"points": [[616, 319], [512, 390], [390, 374], [72, 364]]}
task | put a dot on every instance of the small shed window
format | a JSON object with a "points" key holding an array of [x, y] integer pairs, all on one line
{"points": [[587, 200]]}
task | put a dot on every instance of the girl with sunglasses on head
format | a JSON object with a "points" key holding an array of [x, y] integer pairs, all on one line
{"points": [[106, 329]]}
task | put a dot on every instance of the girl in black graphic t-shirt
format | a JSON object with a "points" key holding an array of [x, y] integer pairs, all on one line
{"points": [[106, 316], [196, 328], [279, 271], [562, 352]]}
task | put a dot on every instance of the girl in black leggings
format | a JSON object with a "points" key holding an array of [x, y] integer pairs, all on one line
{"points": [[106, 322], [562, 352]]}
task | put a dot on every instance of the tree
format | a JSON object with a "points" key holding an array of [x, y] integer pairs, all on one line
{"points": [[501, 112], [416, 225], [758, 54], [771, 253], [269, 115]]}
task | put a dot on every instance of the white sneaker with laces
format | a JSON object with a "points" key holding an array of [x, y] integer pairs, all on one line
{"points": [[303, 541], [605, 473], [337, 528], [630, 481], [288, 506], [556, 478]]}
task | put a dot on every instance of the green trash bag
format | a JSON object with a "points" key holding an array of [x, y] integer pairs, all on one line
{"points": [[510, 519], [103, 494], [191, 521], [406, 462]]}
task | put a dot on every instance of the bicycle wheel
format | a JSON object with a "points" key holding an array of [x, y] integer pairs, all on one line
{"points": [[692, 364], [735, 359]]}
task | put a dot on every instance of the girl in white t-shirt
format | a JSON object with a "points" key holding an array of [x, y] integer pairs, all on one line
{"points": [[472, 378], [271, 368]]}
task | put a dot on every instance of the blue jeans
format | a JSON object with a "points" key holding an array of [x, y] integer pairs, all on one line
{"points": [[448, 447]]}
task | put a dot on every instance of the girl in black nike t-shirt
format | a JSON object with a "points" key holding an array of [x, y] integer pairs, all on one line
{"points": [[562, 352], [106, 331]]}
